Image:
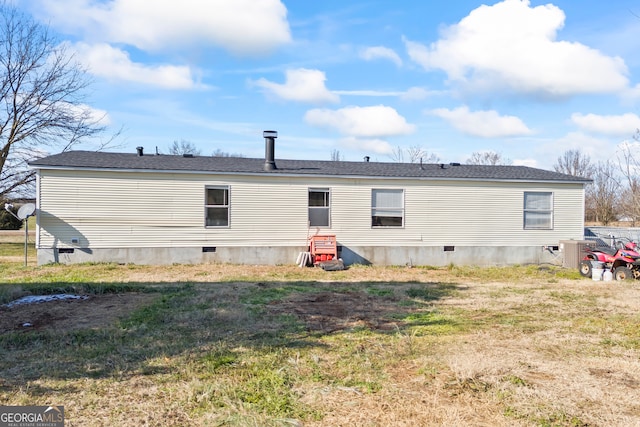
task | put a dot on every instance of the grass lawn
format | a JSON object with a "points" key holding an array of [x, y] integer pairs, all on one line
{"points": [[225, 345]]}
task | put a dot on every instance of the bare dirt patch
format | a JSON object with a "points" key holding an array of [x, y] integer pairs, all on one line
{"points": [[94, 312], [336, 311]]}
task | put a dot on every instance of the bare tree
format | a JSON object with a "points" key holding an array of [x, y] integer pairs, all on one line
{"points": [[487, 158], [413, 154], [335, 156], [220, 153], [16, 179], [574, 162], [602, 197], [397, 155], [178, 148], [629, 168], [599, 203], [41, 97]]}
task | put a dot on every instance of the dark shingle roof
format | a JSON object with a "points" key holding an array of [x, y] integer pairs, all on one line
{"points": [[241, 165]]}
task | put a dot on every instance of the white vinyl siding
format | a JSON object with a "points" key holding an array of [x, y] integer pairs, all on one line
{"points": [[154, 209]]}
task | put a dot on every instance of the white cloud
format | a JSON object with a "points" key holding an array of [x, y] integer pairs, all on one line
{"points": [[412, 94], [301, 85], [114, 64], [596, 148], [380, 52], [621, 125], [416, 94], [485, 124], [98, 116], [513, 46], [370, 92], [239, 26], [81, 112], [363, 122], [377, 146]]}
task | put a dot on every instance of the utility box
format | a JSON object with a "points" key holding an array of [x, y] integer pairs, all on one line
{"points": [[573, 251], [323, 248]]}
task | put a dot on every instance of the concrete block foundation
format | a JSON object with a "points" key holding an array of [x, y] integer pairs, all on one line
{"points": [[277, 255]]}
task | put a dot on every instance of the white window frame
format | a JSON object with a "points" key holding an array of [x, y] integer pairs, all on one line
{"points": [[530, 210], [327, 207], [226, 205], [378, 213]]}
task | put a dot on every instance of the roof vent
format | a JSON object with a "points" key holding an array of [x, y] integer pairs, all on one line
{"points": [[444, 166], [188, 155], [140, 151], [269, 149], [454, 164], [366, 159]]}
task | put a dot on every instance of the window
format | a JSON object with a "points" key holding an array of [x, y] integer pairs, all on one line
{"points": [[216, 206], [538, 210], [319, 207], [387, 208]]}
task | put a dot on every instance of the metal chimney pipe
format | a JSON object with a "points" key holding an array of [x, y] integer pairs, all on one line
{"points": [[269, 150]]}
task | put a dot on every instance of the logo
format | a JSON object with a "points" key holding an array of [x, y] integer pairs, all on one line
{"points": [[31, 416]]}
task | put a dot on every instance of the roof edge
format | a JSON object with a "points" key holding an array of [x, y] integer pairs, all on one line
{"points": [[582, 181]]}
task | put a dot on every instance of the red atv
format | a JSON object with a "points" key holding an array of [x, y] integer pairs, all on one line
{"points": [[623, 262]]}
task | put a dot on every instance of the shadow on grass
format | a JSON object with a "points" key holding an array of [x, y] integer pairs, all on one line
{"points": [[205, 322]]}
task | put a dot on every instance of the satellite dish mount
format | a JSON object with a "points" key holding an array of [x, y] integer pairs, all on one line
{"points": [[24, 213]]}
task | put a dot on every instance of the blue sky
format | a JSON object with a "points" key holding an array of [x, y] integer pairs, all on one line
{"points": [[526, 79]]}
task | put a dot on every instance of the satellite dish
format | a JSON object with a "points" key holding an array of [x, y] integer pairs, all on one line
{"points": [[26, 211]]}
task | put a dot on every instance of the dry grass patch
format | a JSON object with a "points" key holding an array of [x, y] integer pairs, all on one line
{"points": [[93, 312], [283, 346]]}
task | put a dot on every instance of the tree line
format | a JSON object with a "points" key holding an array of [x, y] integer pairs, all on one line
{"points": [[42, 104], [614, 194]]}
